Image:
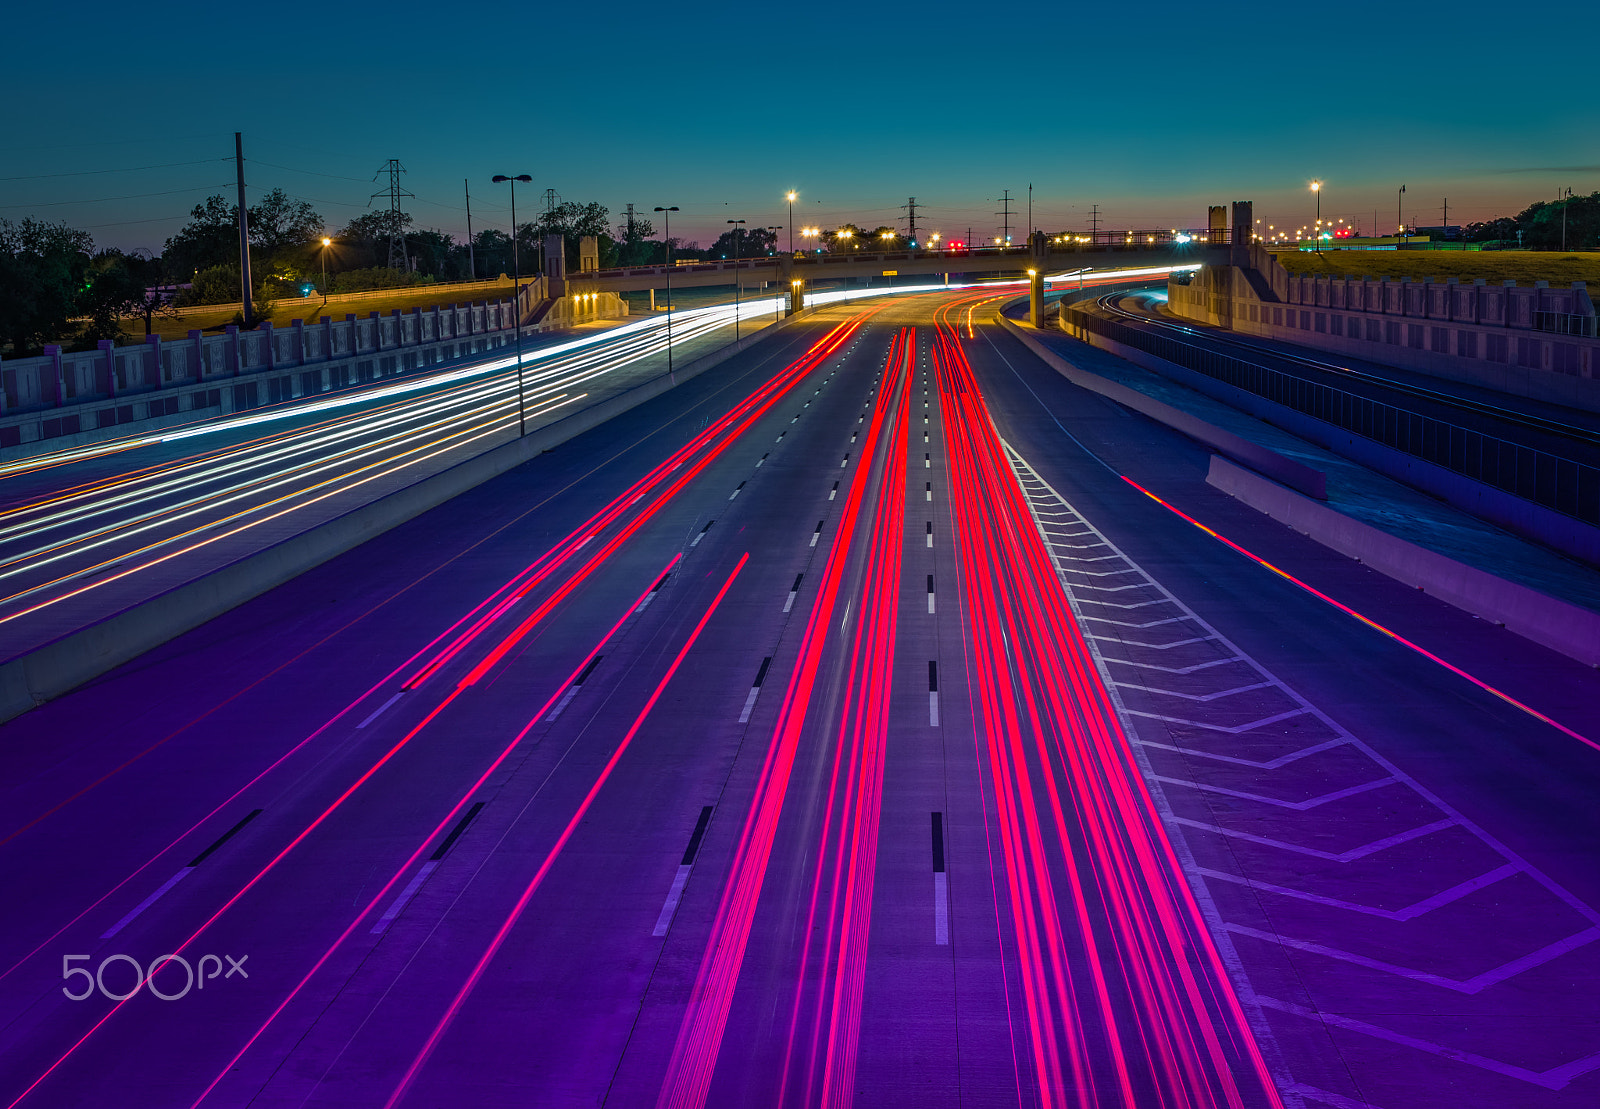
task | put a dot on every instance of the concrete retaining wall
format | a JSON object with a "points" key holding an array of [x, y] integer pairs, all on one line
{"points": [[58, 667], [1554, 623], [1529, 341], [1296, 475], [1564, 533]]}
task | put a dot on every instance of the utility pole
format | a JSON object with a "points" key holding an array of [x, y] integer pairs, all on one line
{"points": [[1094, 224], [1446, 217], [1400, 212], [1030, 210], [472, 263], [397, 237], [244, 235], [1005, 216], [911, 220]]}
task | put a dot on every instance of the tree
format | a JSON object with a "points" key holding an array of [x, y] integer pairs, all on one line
{"points": [[210, 238], [41, 270], [748, 242], [492, 249], [366, 237], [279, 223], [112, 290], [633, 245], [572, 221], [1542, 223], [1496, 230]]}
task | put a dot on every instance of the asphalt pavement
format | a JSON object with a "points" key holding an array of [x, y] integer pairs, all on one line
{"points": [[653, 772]]}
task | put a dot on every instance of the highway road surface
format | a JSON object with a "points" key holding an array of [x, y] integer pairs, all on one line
{"points": [[876, 719]]}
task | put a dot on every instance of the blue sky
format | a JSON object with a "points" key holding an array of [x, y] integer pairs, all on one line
{"points": [[1152, 111]]}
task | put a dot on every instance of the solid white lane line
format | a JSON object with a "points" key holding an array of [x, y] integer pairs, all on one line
{"points": [[146, 903], [383, 922]]}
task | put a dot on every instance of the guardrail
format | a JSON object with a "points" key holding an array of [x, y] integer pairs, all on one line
{"points": [[1561, 484]]}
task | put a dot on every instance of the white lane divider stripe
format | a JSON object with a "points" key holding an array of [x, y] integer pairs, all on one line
{"points": [[146, 903], [377, 712], [382, 924]]}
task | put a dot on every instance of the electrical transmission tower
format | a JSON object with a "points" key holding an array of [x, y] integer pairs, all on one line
{"points": [[911, 219], [1005, 217], [1094, 223], [397, 235], [630, 223]]}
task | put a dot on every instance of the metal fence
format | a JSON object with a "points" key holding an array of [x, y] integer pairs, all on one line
{"points": [[1562, 484]]}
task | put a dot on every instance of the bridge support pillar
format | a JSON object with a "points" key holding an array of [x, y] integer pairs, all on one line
{"points": [[1036, 297], [797, 295]]}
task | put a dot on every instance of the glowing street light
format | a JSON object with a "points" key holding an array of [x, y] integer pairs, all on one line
{"points": [[326, 243], [792, 195], [1316, 187]]}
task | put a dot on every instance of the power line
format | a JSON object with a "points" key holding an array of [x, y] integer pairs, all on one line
{"points": [[106, 199], [130, 169]]}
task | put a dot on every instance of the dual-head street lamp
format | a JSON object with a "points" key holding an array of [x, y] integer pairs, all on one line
{"points": [[666, 215], [516, 292]]}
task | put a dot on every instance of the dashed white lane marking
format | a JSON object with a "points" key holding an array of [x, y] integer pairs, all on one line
{"points": [[816, 534], [941, 910], [674, 894], [695, 542], [146, 903], [794, 591], [755, 690], [735, 493], [383, 922], [377, 712]]}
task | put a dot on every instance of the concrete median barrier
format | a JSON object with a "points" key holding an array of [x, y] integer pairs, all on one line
{"points": [[47, 672], [1546, 620]]}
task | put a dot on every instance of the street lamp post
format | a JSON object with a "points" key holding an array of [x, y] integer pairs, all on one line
{"points": [[326, 243], [1316, 187], [666, 215], [1399, 212], [737, 280], [792, 195], [516, 293]]}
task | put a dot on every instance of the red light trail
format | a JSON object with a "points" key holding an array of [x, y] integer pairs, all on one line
{"points": [[1126, 999], [699, 1040], [566, 834]]}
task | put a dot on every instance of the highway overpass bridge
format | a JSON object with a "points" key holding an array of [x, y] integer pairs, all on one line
{"points": [[1043, 255]]}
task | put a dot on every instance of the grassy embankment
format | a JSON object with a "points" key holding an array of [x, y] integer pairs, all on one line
{"points": [[310, 309], [1494, 266]]}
